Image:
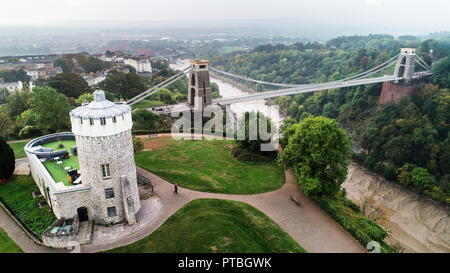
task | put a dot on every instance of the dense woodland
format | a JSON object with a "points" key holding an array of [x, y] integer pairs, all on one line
{"points": [[408, 142]]}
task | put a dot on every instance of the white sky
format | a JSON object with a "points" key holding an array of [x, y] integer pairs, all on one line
{"points": [[433, 14]]}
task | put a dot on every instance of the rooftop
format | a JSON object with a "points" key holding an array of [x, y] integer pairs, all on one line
{"points": [[99, 108]]}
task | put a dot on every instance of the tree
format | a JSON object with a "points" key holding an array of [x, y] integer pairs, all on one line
{"points": [[70, 84], [84, 97], [5, 125], [51, 109], [422, 179], [330, 110], [93, 64], [7, 160], [15, 75], [146, 120], [441, 72], [124, 85], [64, 64], [4, 93], [18, 101], [319, 152], [253, 140]]}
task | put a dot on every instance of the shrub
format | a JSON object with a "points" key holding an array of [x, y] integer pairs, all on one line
{"points": [[30, 131]]}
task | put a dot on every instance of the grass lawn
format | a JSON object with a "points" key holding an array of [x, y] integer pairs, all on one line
{"points": [[17, 193], [209, 166], [18, 148], [148, 104], [212, 225], [57, 172], [54, 145], [7, 245]]}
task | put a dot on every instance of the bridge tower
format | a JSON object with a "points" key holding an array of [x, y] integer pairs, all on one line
{"points": [[199, 93], [405, 64], [393, 92]]}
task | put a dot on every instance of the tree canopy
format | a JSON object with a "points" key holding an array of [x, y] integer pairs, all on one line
{"points": [[51, 109], [123, 85], [319, 152], [70, 84]]}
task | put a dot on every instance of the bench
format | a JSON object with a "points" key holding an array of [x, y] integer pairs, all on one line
{"points": [[296, 201]]}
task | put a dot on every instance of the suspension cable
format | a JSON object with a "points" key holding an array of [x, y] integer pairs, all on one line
{"points": [[157, 87]]}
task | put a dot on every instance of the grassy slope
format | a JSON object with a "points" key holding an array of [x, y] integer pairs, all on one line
{"points": [[17, 193], [211, 225], [349, 216], [209, 166], [7, 245], [18, 148]]}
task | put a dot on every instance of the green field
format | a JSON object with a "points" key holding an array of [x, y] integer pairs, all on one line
{"points": [[212, 225], [18, 148], [209, 166], [148, 104], [7, 245], [17, 194]]}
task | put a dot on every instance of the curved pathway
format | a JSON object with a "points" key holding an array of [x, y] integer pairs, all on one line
{"points": [[306, 224]]}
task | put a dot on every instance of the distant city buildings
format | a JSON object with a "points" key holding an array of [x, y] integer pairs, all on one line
{"points": [[12, 86], [93, 79], [142, 64]]}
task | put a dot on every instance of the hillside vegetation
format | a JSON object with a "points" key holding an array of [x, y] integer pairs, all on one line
{"points": [[408, 142]]}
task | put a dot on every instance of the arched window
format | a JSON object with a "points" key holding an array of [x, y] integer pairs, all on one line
{"points": [[403, 60]]}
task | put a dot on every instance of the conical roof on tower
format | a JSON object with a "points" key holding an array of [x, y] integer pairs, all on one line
{"points": [[100, 107]]}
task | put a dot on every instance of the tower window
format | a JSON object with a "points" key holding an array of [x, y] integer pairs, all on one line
{"points": [[112, 212], [103, 121], [81, 120], [105, 171], [114, 119], [109, 193], [91, 121]]}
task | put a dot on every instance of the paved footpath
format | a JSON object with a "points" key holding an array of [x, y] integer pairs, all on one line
{"points": [[307, 224]]}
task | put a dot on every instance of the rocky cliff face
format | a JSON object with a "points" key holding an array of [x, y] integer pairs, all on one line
{"points": [[415, 224]]}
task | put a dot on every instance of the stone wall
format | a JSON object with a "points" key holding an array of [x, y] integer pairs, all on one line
{"points": [[117, 151], [394, 92]]}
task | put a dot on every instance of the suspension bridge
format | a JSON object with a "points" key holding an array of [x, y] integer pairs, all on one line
{"points": [[403, 64]]}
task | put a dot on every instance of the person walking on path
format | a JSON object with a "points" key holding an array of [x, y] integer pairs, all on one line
{"points": [[175, 191]]}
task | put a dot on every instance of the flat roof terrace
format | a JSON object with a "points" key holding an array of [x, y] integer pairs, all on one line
{"points": [[59, 168]]}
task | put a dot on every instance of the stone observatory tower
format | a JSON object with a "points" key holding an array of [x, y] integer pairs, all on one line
{"points": [[102, 132]]}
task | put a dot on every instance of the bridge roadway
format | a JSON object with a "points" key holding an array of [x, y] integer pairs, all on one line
{"points": [[182, 107], [305, 89]]}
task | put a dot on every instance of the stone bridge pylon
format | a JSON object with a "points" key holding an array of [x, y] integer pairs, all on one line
{"points": [[199, 93]]}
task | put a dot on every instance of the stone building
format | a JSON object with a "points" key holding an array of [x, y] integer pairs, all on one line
{"points": [[104, 188]]}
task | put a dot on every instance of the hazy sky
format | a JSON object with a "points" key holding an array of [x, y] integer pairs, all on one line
{"points": [[420, 14]]}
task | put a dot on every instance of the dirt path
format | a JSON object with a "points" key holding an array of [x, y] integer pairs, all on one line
{"points": [[308, 225]]}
